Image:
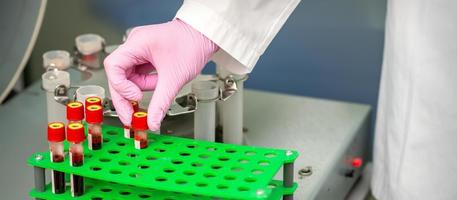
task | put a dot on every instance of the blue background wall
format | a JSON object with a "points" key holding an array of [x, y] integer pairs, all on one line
{"points": [[328, 48]]}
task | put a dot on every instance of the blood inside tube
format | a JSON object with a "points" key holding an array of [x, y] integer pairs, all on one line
{"points": [[95, 136], [76, 155], [58, 178], [77, 185], [90, 57], [77, 159], [128, 132], [58, 182], [141, 139]]}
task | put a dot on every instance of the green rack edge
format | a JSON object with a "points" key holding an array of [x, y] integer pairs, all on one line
{"points": [[164, 149], [100, 190]]}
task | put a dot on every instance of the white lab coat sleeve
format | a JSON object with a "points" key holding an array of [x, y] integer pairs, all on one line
{"points": [[242, 29]]}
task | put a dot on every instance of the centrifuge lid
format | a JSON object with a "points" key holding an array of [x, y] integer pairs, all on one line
{"points": [[20, 22]]}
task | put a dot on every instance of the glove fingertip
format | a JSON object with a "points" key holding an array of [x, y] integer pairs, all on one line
{"points": [[126, 121], [154, 121]]}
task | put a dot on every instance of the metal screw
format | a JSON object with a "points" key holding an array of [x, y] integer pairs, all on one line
{"points": [[38, 157], [260, 192], [245, 129], [229, 81], [307, 171]]}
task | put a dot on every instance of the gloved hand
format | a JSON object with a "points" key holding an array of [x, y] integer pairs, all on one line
{"points": [[175, 50]]}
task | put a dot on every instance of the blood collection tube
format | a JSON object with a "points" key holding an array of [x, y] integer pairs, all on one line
{"points": [[75, 135], [56, 136], [140, 125], [75, 112], [93, 101], [94, 119], [128, 132]]}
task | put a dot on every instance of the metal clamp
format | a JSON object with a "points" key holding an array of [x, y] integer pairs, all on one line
{"points": [[108, 108], [230, 86], [188, 103], [184, 105], [61, 95]]}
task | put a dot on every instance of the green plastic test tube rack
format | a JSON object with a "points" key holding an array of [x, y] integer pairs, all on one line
{"points": [[173, 168]]}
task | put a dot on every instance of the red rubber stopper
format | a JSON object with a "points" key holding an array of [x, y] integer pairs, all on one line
{"points": [[93, 101], [75, 132], [75, 111], [94, 114], [135, 105], [140, 121], [56, 132]]}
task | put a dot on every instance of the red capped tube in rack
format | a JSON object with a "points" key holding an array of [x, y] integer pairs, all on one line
{"points": [[140, 126], [128, 132], [93, 101], [75, 135], [56, 137], [94, 119], [75, 112]]}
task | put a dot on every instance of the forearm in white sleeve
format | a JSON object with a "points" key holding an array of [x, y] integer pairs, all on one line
{"points": [[242, 29]]}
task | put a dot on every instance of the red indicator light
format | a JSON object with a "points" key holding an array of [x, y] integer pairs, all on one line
{"points": [[357, 162]]}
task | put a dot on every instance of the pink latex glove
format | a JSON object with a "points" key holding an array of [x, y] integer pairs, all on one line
{"points": [[174, 49]]}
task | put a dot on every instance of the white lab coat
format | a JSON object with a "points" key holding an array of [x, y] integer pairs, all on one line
{"points": [[242, 29], [416, 132], [415, 151]]}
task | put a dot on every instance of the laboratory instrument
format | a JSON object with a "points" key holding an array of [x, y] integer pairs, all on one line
{"points": [[328, 175], [334, 177]]}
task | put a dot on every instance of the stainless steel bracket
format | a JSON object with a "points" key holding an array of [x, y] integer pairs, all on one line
{"points": [[184, 104], [229, 89], [108, 108], [62, 96], [230, 86], [188, 103]]}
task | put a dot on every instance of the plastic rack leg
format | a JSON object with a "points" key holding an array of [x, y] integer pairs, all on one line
{"points": [[288, 175], [40, 179]]}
